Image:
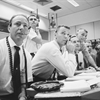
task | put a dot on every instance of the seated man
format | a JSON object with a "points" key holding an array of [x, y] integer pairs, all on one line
{"points": [[92, 51], [81, 37], [79, 55], [98, 55], [49, 58]]}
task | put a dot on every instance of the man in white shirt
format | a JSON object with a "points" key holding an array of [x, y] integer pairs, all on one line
{"points": [[82, 36], [49, 57], [18, 30], [78, 53], [80, 41], [34, 39]]}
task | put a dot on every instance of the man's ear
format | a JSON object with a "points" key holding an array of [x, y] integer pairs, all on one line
{"points": [[8, 28]]}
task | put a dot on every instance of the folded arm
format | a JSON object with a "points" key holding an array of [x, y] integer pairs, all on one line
{"points": [[66, 66]]}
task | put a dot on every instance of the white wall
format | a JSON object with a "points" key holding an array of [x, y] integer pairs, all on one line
{"points": [[93, 29], [3, 35], [7, 11], [82, 17], [97, 29], [87, 19]]}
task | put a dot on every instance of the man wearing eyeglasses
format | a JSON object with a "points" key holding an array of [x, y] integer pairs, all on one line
{"points": [[34, 40]]}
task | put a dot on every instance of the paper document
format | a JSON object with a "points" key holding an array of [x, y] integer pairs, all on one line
{"points": [[75, 86], [80, 77], [94, 81], [90, 74]]}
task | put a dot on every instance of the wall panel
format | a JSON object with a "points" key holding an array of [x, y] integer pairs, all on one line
{"points": [[97, 29]]}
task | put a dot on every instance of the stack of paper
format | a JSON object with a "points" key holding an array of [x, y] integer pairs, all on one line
{"points": [[94, 81], [79, 83], [75, 86], [90, 74], [80, 77]]}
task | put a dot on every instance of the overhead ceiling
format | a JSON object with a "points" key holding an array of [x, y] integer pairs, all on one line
{"points": [[61, 7]]}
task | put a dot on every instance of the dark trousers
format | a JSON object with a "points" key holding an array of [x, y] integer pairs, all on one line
{"points": [[8, 97], [37, 79]]}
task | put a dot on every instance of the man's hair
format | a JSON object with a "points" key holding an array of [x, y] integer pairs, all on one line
{"points": [[10, 22], [73, 36], [34, 15], [61, 26], [81, 29]]}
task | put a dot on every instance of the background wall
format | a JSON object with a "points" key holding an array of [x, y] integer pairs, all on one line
{"points": [[3, 34], [93, 29], [82, 17], [7, 11], [88, 19]]}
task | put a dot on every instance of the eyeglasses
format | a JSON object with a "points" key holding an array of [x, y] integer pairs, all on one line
{"points": [[31, 19]]}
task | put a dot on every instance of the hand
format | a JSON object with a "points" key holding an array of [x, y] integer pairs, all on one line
{"points": [[82, 39], [70, 47], [22, 98], [82, 46], [90, 69], [97, 68]]}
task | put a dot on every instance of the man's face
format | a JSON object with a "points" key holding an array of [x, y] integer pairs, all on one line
{"points": [[98, 48], [33, 21], [19, 28], [76, 42], [89, 47], [62, 36], [82, 35]]}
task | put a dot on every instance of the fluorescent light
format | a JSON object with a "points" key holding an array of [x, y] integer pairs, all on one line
{"points": [[25, 7], [73, 3], [12, 2]]}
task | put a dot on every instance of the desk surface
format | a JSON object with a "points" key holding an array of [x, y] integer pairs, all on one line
{"points": [[57, 95], [95, 93]]}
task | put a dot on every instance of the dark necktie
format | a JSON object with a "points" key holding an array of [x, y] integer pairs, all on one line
{"points": [[60, 50], [16, 73], [77, 61], [79, 64]]}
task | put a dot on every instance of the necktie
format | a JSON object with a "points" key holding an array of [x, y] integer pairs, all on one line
{"points": [[86, 64], [60, 50], [79, 64], [77, 61], [16, 73]]}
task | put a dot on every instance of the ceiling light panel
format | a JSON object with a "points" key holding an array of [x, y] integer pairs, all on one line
{"points": [[73, 3]]}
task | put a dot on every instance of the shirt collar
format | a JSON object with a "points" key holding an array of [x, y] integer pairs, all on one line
{"points": [[31, 30], [55, 42], [12, 43]]}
